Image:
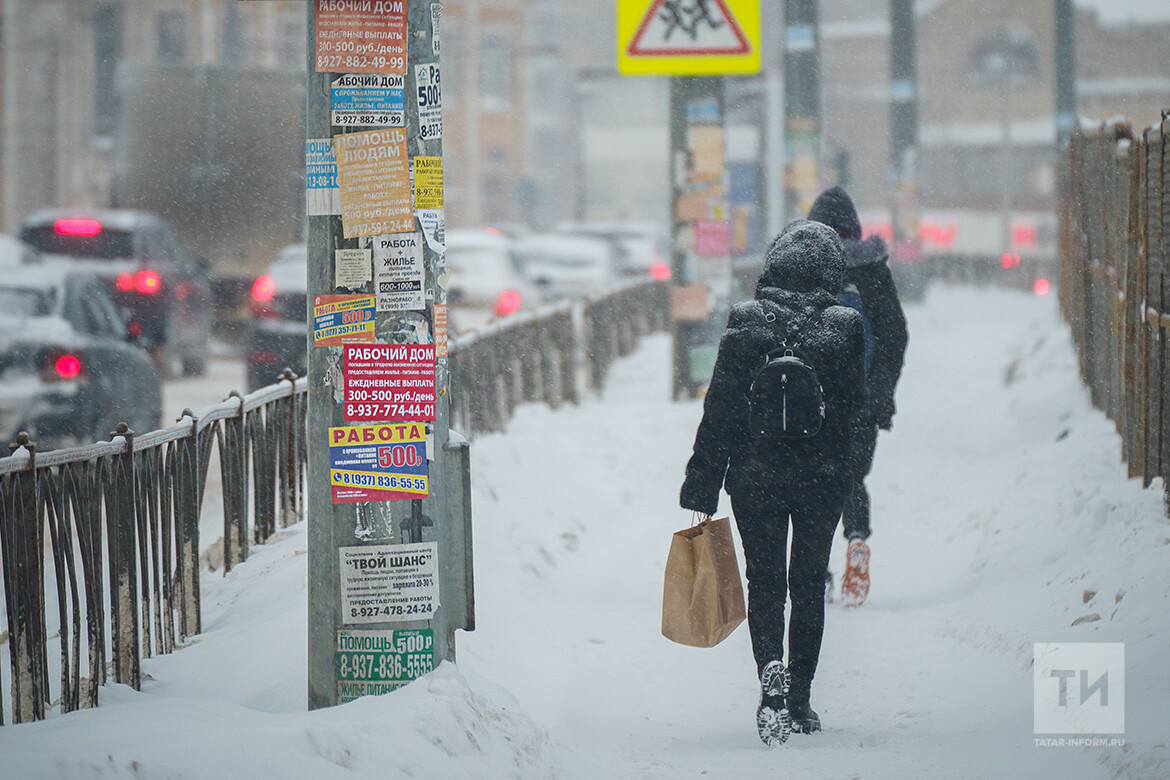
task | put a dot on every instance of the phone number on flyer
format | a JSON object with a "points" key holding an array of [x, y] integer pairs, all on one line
{"points": [[335, 63], [383, 666], [391, 610], [382, 119], [360, 411]]}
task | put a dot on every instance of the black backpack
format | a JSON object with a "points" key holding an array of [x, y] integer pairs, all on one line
{"points": [[786, 400]]}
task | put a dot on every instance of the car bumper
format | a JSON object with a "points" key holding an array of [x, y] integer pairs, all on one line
{"points": [[271, 350]]}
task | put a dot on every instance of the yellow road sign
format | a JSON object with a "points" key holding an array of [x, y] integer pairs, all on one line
{"points": [[688, 37]]}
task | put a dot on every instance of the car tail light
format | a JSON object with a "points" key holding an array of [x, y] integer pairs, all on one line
{"points": [[147, 282], [263, 289], [1040, 287], [508, 303], [1008, 260], [61, 365], [264, 357], [125, 282], [134, 329], [77, 227], [660, 271]]}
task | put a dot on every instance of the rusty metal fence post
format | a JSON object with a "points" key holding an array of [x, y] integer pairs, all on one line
{"points": [[1114, 256]]}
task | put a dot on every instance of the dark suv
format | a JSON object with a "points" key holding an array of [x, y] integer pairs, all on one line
{"points": [[165, 292], [277, 333]]}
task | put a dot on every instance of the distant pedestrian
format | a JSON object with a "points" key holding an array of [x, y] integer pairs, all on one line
{"points": [[868, 271], [774, 482]]}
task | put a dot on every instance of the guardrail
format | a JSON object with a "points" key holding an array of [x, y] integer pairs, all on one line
{"points": [[120, 519], [548, 355], [1114, 243]]}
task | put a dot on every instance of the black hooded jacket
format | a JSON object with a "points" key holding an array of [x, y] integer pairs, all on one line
{"points": [[868, 269], [804, 271]]}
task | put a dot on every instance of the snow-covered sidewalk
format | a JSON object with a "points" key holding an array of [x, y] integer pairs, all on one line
{"points": [[1000, 504]]}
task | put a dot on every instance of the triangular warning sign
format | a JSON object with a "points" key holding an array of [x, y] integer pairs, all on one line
{"points": [[687, 28]]}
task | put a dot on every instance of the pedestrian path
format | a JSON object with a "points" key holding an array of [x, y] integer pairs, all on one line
{"points": [[999, 503]]}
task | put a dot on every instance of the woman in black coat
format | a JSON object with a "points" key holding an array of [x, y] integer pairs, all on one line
{"points": [[775, 482], [867, 268]]}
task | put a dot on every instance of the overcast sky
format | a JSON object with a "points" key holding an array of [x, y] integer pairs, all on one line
{"points": [[1123, 10]]}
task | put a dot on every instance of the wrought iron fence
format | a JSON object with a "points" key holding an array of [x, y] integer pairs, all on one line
{"points": [[118, 523], [1115, 257], [111, 530]]}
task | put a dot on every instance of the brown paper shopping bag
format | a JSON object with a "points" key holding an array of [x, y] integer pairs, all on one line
{"points": [[702, 596]]}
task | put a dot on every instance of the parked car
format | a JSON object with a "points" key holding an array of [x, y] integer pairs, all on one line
{"points": [[277, 330], [69, 368], [484, 283], [15, 252], [639, 249], [563, 266], [165, 290]]}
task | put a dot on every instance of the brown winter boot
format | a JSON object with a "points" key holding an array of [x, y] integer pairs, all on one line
{"points": [[855, 585]]}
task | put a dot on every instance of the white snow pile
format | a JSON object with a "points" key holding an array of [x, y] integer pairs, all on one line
{"points": [[1002, 517]]}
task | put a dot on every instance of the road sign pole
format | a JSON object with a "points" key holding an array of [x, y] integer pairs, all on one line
{"points": [[389, 563], [700, 230], [802, 106]]}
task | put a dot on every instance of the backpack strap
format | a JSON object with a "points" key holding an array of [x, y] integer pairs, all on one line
{"points": [[794, 332]]}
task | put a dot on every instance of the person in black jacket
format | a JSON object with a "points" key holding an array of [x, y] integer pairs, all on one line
{"points": [[775, 482], [869, 272]]}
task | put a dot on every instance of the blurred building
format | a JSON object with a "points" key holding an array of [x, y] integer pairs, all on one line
{"points": [[986, 111], [66, 65], [485, 105], [539, 128]]}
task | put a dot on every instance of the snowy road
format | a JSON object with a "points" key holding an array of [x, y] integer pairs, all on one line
{"points": [[1000, 504]]}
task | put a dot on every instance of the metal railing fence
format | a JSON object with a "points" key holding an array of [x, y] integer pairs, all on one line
{"points": [[111, 529], [1115, 254], [548, 354], [121, 522]]}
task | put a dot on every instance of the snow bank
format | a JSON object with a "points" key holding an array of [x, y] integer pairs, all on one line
{"points": [[231, 704]]}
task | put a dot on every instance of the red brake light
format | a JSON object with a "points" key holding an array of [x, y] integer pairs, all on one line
{"points": [[263, 289], [59, 365], [660, 271], [77, 227], [135, 329], [125, 281], [67, 366], [1040, 287], [147, 282], [508, 303]]}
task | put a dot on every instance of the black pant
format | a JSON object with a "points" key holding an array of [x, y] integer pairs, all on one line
{"points": [[856, 517], [763, 521]]}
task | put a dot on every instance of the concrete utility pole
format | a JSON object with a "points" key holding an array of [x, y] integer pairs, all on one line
{"points": [[906, 247], [1066, 71], [802, 106], [390, 575]]}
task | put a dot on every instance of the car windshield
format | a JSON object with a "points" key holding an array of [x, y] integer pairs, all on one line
{"points": [[104, 245], [24, 302]]}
